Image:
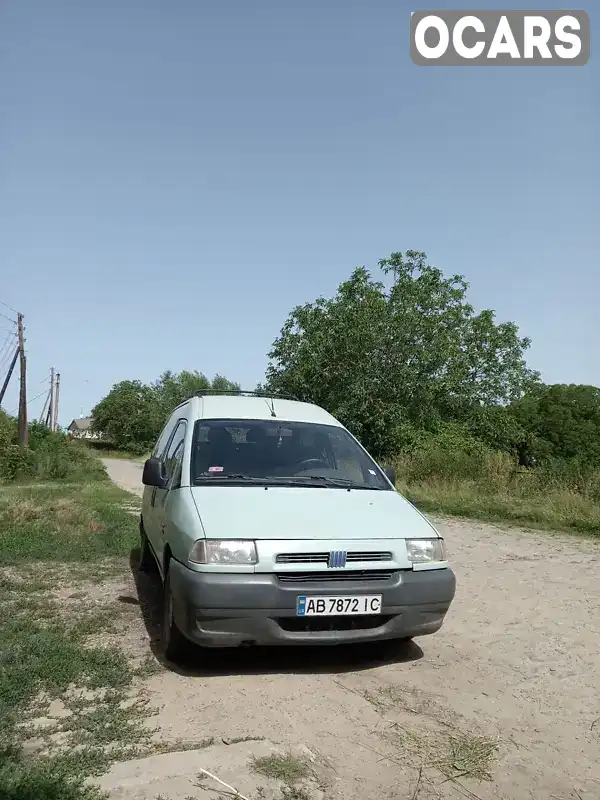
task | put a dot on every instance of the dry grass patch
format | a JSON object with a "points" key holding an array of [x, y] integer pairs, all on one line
{"points": [[430, 739], [285, 767], [68, 524]]}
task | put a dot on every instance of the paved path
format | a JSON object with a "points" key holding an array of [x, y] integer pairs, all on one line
{"points": [[125, 473]]}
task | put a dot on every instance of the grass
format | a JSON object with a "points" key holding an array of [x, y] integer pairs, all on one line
{"points": [[56, 536], [489, 487], [558, 509], [454, 756], [468, 756], [426, 737], [287, 768], [65, 523], [45, 658], [106, 449]]}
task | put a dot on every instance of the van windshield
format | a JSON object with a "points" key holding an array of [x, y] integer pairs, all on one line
{"points": [[272, 452]]}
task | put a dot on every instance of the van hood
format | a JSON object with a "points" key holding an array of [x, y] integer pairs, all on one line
{"points": [[296, 513]]}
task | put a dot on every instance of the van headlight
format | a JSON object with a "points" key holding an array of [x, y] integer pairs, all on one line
{"points": [[425, 551], [223, 551]]}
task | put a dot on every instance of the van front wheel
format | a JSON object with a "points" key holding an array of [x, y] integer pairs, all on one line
{"points": [[176, 647]]}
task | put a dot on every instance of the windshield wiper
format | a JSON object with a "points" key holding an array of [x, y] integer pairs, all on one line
{"points": [[218, 476], [276, 480], [345, 483]]}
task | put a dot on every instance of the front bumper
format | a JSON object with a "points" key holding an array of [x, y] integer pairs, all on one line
{"points": [[230, 610]]}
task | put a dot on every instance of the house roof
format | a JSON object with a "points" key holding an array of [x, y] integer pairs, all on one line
{"points": [[81, 424]]}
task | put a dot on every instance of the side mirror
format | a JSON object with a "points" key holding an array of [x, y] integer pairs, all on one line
{"points": [[154, 474], [390, 473]]}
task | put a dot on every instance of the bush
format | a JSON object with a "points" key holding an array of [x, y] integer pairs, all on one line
{"points": [[451, 472], [49, 456], [573, 475], [451, 453]]}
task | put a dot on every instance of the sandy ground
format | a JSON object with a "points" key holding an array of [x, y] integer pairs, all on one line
{"points": [[516, 665]]}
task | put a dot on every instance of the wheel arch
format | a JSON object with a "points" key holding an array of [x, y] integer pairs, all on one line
{"points": [[167, 556]]}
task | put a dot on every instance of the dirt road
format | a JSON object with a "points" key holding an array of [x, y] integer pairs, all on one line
{"points": [[509, 687]]}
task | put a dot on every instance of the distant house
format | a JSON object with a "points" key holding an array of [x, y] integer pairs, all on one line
{"points": [[82, 429]]}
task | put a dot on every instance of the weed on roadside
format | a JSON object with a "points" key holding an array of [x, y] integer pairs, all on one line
{"points": [[439, 752], [65, 524], [64, 713], [287, 768], [468, 756]]}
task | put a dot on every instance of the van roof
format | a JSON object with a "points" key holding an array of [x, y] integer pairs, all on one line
{"points": [[242, 407]]}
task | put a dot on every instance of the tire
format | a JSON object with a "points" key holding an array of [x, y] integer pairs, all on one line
{"points": [[146, 560], [176, 647]]}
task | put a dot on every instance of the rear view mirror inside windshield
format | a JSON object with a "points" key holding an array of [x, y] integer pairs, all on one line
{"points": [[276, 431]]}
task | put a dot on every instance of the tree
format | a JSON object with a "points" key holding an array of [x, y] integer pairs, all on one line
{"points": [[385, 358], [563, 421], [129, 416], [132, 414]]}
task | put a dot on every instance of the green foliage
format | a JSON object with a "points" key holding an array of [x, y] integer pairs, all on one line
{"points": [[452, 472], [386, 358], [563, 422], [45, 652], [49, 455], [8, 431], [450, 453], [132, 413], [171, 389], [37, 780], [498, 427], [129, 416], [65, 522]]}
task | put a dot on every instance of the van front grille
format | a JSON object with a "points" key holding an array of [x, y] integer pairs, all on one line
{"points": [[336, 577], [323, 558]]}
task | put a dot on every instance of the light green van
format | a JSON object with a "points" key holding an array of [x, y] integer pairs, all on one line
{"points": [[270, 524]]}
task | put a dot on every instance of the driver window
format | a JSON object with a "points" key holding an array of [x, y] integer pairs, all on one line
{"points": [[345, 457], [174, 455], [164, 437], [314, 445]]}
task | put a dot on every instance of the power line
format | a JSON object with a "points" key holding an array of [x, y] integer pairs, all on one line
{"points": [[6, 349], [10, 333], [3, 353], [6, 357], [33, 399], [8, 318], [10, 308], [7, 344], [8, 375]]}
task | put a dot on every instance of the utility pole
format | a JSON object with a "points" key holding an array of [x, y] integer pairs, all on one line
{"points": [[9, 375], [23, 430], [43, 417], [50, 417], [56, 399]]}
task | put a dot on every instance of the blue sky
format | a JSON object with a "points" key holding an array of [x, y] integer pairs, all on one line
{"points": [[176, 176]]}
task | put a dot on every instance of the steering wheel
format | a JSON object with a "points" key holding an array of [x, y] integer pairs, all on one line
{"points": [[313, 463]]}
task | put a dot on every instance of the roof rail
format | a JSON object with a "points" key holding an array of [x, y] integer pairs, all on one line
{"points": [[275, 395]]}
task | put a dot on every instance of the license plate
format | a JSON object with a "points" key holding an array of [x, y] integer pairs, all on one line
{"points": [[348, 605]]}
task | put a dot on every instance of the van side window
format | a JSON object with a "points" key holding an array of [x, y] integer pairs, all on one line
{"points": [[174, 456], [163, 439]]}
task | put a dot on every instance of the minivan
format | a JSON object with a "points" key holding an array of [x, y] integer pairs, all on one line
{"points": [[270, 524]]}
